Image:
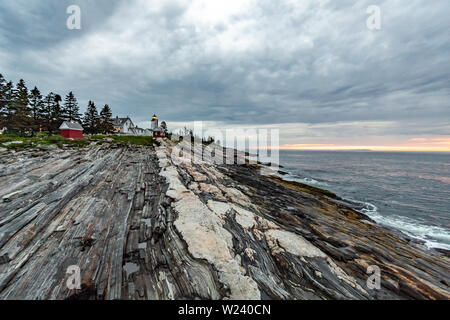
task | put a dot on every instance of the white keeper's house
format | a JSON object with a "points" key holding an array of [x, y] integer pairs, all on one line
{"points": [[125, 126]]}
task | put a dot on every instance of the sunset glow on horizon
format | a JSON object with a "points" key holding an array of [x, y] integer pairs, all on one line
{"points": [[441, 144], [430, 144]]}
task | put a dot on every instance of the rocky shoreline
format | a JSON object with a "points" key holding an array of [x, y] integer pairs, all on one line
{"points": [[140, 226]]}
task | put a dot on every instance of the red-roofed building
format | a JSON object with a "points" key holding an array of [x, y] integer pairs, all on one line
{"points": [[71, 130]]}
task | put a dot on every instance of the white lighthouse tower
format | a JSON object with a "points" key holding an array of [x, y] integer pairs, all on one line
{"points": [[154, 122]]}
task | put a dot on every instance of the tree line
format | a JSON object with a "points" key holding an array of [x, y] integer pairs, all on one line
{"points": [[27, 112]]}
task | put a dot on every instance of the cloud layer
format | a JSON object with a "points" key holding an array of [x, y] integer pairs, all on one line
{"points": [[297, 64]]}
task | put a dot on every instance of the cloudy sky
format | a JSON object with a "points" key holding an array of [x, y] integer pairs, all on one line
{"points": [[311, 69]]}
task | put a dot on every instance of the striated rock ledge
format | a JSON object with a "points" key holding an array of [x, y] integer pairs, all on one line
{"points": [[140, 226]]}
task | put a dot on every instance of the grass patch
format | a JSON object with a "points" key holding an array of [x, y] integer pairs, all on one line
{"points": [[43, 139], [10, 138], [39, 140], [133, 140], [98, 137]]}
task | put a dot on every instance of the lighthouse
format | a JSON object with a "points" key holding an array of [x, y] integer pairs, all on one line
{"points": [[158, 132], [154, 122]]}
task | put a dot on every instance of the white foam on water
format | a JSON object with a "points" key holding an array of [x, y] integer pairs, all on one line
{"points": [[291, 177], [308, 181], [434, 237]]}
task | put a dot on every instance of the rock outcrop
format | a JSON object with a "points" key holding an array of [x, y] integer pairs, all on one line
{"points": [[139, 225]]}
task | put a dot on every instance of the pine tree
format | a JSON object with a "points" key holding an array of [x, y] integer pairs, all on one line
{"points": [[19, 114], [36, 104], [7, 99], [106, 121], [71, 111], [56, 114], [2, 101], [2, 82], [91, 119], [46, 111], [2, 87]]}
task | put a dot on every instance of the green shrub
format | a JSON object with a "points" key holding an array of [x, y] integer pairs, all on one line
{"points": [[14, 133], [42, 135]]}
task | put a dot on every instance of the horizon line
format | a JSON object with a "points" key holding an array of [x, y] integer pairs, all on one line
{"points": [[306, 147]]}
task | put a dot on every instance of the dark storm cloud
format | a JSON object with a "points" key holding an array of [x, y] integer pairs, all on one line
{"points": [[241, 62]]}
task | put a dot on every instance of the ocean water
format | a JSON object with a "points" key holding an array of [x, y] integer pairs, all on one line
{"points": [[407, 191]]}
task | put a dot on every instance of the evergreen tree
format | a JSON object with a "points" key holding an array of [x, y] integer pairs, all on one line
{"points": [[46, 111], [71, 111], [19, 114], [56, 114], [36, 105], [2, 87], [6, 111], [91, 119], [2, 83], [2, 101], [106, 121]]}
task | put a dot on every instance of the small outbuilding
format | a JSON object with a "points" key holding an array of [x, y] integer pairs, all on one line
{"points": [[71, 130], [159, 133]]}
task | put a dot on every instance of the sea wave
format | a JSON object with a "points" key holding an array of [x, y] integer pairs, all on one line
{"points": [[432, 236], [287, 176], [308, 181]]}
